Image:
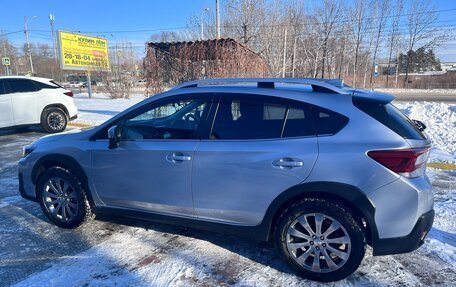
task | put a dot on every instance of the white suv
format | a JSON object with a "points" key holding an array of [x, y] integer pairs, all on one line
{"points": [[26, 101]]}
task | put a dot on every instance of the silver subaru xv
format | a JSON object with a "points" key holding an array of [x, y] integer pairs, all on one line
{"points": [[316, 167]]}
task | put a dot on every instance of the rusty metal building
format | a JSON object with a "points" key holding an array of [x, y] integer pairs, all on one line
{"points": [[167, 64]]}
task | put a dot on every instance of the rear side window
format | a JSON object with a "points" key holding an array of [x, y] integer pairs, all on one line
{"points": [[327, 122], [21, 86], [248, 118], [391, 117], [299, 122], [261, 117]]}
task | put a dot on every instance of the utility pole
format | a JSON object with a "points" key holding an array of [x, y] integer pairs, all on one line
{"points": [[217, 17], [52, 19], [28, 43], [202, 22], [5, 53], [284, 53]]}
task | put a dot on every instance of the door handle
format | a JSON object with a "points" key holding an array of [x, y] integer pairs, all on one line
{"points": [[287, 163], [178, 157]]}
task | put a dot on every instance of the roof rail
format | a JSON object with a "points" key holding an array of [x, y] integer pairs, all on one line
{"points": [[318, 85]]}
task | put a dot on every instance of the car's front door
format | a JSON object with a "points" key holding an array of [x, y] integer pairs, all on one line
{"points": [[259, 146], [6, 110], [151, 169]]}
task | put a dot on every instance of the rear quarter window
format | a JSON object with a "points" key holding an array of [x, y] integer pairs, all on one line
{"points": [[393, 118], [40, 85], [328, 122]]}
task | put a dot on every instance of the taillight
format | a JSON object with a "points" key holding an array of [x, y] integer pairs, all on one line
{"points": [[69, 94], [407, 162]]}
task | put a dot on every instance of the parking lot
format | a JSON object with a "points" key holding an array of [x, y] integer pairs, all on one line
{"points": [[125, 252]]}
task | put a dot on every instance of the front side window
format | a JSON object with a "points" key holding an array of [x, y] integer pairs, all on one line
{"points": [[178, 119], [21, 86]]}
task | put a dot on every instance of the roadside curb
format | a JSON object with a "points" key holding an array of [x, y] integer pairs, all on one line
{"points": [[442, 166], [80, 125]]}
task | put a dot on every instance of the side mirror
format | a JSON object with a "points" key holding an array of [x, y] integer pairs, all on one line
{"points": [[114, 135]]}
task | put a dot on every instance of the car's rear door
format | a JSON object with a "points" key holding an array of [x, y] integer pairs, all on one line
{"points": [[6, 110], [25, 101], [258, 147]]}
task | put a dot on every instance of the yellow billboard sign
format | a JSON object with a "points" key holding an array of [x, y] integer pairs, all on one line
{"points": [[82, 52]]}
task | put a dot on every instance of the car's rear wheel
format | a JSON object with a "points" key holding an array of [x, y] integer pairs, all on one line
{"points": [[62, 198], [54, 120], [321, 240]]}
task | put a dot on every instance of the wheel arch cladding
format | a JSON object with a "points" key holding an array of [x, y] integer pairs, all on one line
{"points": [[350, 196], [63, 161]]}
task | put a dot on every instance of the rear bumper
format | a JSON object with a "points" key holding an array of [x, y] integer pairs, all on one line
{"points": [[406, 243]]}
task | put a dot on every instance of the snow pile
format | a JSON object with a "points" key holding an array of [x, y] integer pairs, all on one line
{"points": [[440, 121], [100, 108]]}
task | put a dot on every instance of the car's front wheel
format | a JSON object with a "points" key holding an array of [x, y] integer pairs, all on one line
{"points": [[54, 120], [320, 239], [62, 198]]}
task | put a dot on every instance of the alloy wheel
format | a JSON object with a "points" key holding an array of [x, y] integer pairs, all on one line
{"points": [[318, 243], [60, 199], [56, 121]]}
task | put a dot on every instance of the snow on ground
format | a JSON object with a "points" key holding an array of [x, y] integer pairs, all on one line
{"points": [[99, 108]]}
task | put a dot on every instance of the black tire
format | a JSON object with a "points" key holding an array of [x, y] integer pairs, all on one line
{"points": [[80, 205], [54, 120], [332, 211]]}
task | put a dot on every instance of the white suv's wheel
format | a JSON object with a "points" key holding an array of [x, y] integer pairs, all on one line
{"points": [[54, 120], [321, 240]]}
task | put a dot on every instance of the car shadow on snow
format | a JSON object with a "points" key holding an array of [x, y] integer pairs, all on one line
{"points": [[21, 130], [443, 236], [263, 253], [259, 251]]}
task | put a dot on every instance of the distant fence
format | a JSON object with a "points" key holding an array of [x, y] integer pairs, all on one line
{"points": [[426, 82]]}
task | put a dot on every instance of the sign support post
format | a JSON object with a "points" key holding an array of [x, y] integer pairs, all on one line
{"points": [[89, 84]]}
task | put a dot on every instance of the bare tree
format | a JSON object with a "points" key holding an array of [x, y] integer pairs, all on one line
{"points": [[359, 23], [420, 20], [245, 18], [394, 36], [327, 15], [120, 79], [383, 10]]}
